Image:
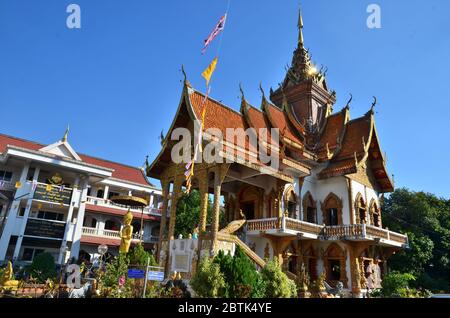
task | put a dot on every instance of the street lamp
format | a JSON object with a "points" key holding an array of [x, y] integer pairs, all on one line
{"points": [[102, 249]]}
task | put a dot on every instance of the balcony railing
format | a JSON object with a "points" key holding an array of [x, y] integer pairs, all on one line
{"points": [[361, 232], [108, 203], [88, 231], [283, 224], [6, 185]]}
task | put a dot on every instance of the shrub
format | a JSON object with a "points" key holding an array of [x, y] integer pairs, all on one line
{"points": [[114, 270], [278, 285], [396, 285], [208, 281], [139, 256], [242, 280], [43, 267]]}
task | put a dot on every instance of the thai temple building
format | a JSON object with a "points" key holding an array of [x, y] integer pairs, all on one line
{"points": [[318, 212], [55, 200]]}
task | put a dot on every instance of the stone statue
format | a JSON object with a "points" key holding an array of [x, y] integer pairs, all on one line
{"points": [[267, 252], [235, 225], [334, 291], [126, 233], [303, 279], [6, 281]]}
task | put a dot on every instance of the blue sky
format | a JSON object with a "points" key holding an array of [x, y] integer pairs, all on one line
{"points": [[117, 80]]}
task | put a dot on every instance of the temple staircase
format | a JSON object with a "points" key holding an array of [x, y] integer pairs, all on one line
{"points": [[247, 250]]}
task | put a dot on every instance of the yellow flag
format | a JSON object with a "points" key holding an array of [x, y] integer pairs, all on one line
{"points": [[18, 185], [48, 188], [210, 70]]}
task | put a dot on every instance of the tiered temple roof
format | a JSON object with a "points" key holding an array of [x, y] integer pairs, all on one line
{"points": [[334, 143]]}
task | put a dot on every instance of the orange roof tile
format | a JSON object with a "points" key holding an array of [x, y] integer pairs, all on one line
{"points": [[121, 171]]}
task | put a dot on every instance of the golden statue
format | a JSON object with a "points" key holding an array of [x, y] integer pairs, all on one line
{"points": [[320, 283], [303, 279], [126, 233], [6, 281], [235, 225]]}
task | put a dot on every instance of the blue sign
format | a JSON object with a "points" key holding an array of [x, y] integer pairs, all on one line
{"points": [[136, 273], [156, 276]]}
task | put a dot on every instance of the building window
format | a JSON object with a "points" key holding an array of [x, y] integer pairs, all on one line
{"points": [[21, 212], [309, 209], [291, 203], [333, 217], [375, 214], [112, 194], [5, 176], [30, 253], [111, 225], [332, 210], [94, 223], [46, 215], [360, 210], [100, 193]]}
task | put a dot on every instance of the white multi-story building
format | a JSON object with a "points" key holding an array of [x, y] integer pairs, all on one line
{"points": [[55, 200]]}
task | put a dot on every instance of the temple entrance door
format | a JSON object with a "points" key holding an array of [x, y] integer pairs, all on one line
{"points": [[248, 208]]}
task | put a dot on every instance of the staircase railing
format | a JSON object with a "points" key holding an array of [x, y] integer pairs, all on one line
{"points": [[247, 250]]}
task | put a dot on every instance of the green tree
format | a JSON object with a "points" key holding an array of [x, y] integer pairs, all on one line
{"points": [[208, 281], [396, 285], [43, 267], [138, 256], [188, 213], [278, 285], [241, 277], [426, 220]]}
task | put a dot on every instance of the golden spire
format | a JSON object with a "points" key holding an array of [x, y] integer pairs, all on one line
{"points": [[300, 28], [66, 134]]}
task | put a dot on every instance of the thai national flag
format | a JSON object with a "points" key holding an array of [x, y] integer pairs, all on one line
{"points": [[219, 28]]}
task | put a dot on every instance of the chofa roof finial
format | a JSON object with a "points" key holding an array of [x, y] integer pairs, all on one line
{"points": [[66, 134], [373, 104], [262, 90], [349, 101], [241, 90]]}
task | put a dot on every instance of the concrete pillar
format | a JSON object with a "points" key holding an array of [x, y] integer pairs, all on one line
{"points": [[78, 227], [106, 193], [25, 216], [62, 251], [150, 201], [6, 235]]}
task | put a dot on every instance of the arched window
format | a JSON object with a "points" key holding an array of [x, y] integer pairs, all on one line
{"points": [[332, 210], [291, 202], [375, 214], [334, 261], [309, 209], [360, 210]]}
